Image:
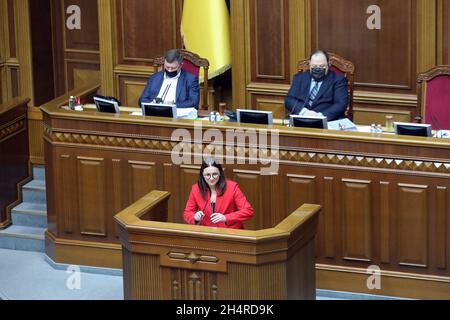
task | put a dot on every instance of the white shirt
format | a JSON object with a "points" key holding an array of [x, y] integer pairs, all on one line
{"points": [[170, 97]]}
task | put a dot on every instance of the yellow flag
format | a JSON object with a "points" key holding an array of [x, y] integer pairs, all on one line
{"points": [[205, 28]]}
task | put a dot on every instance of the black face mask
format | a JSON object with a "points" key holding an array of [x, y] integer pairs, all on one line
{"points": [[171, 74], [318, 73]]}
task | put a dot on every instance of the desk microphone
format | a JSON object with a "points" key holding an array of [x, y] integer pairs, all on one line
{"points": [[161, 100], [166, 91]]}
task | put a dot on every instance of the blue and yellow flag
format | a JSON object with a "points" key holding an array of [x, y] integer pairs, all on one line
{"points": [[205, 28]]}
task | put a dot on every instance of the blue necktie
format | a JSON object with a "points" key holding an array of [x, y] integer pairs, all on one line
{"points": [[313, 94]]}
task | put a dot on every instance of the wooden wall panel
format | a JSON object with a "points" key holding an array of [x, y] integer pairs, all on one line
{"points": [[76, 52], [118, 201], [42, 53], [269, 28], [188, 176], [87, 38], [445, 32], [328, 222], [142, 33], [269, 103], [36, 141], [250, 184], [69, 198], [395, 39], [80, 71], [301, 189], [12, 40], [9, 62], [131, 88], [2, 89], [142, 178], [14, 82], [412, 224], [385, 238], [357, 220], [92, 197], [441, 227]]}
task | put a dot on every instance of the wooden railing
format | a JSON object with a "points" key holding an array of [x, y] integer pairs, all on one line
{"points": [[14, 155]]}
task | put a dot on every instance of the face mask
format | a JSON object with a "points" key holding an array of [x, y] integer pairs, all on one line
{"points": [[171, 74], [318, 73]]}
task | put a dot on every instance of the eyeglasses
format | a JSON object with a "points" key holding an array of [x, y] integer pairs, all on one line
{"points": [[209, 176]]}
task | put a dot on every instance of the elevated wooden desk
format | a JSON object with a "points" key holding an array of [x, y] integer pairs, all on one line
{"points": [[385, 198], [177, 261]]}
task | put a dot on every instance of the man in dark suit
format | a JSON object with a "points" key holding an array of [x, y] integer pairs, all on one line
{"points": [[172, 85], [318, 92]]}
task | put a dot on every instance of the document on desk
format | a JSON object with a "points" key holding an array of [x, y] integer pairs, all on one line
{"points": [[442, 134], [187, 113], [342, 124]]}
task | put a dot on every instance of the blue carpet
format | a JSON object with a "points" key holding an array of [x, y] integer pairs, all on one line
{"points": [[26, 275]]}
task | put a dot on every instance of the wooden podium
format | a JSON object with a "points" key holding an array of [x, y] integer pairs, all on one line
{"points": [[163, 260]]}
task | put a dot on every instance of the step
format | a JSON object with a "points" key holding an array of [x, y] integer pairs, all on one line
{"points": [[39, 172], [34, 191], [30, 214], [23, 238]]}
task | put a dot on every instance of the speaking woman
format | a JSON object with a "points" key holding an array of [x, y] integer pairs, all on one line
{"points": [[215, 201]]}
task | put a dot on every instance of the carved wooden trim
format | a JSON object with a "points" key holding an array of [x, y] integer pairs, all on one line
{"points": [[12, 128], [334, 59], [442, 70], [191, 56], [301, 156]]}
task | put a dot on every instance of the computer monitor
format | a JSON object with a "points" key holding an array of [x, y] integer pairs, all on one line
{"points": [[318, 122], [105, 105], [412, 129], [159, 110], [254, 116]]}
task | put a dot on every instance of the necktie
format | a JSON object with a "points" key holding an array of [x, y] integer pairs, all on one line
{"points": [[313, 94]]}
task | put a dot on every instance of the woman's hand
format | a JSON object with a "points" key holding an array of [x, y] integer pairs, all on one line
{"points": [[218, 217], [199, 216]]}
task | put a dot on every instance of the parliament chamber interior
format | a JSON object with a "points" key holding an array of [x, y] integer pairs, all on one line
{"points": [[90, 177]]}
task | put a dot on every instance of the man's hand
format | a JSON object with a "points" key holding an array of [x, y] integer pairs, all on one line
{"points": [[218, 217], [310, 113]]}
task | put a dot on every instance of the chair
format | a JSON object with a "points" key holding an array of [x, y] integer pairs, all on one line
{"points": [[433, 97], [340, 66], [192, 64]]}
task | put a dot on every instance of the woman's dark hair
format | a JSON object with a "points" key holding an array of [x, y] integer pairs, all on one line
{"points": [[221, 185]]}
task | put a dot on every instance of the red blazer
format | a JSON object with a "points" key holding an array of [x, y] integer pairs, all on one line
{"points": [[232, 204]]}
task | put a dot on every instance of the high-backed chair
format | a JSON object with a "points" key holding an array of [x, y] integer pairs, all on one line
{"points": [[192, 63], [340, 66], [433, 97]]}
